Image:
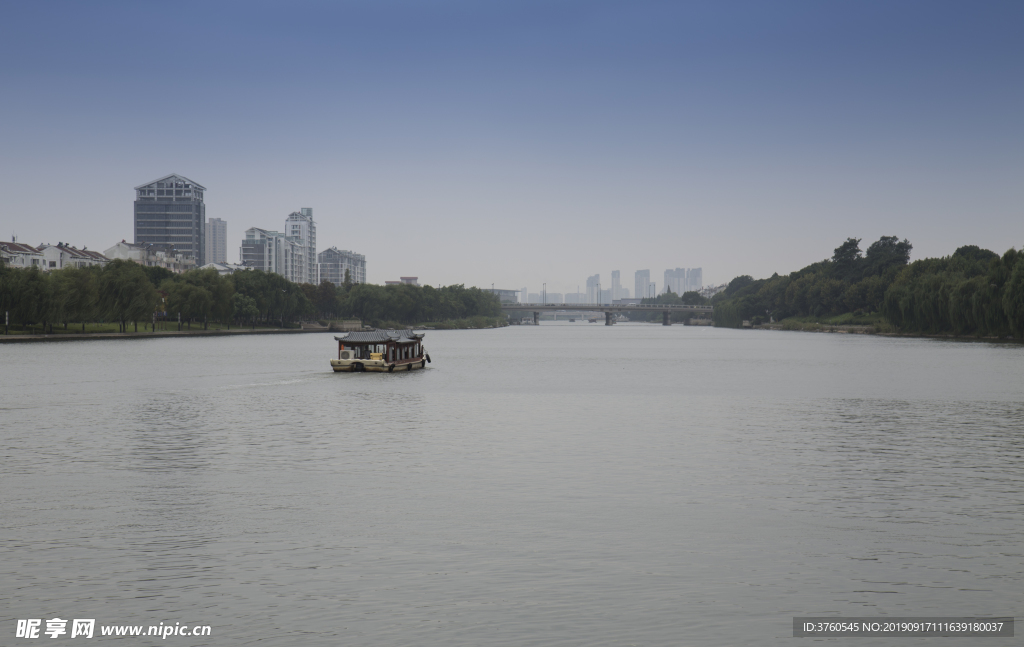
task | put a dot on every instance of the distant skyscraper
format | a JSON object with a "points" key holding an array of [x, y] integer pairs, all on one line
{"points": [[675, 280], [642, 282], [694, 280], [524, 297], [170, 211], [593, 293], [616, 285], [216, 241]]}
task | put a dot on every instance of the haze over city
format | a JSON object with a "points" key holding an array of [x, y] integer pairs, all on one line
{"points": [[518, 143]]}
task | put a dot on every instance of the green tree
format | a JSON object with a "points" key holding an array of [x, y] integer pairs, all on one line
{"points": [[245, 310], [125, 293]]}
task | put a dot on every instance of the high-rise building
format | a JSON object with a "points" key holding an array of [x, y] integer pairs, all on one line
{"points": [[642, 283], [694, 279], [675, 280], [616, 285], [593, 289], [216, 241], [170, 211], [272, 251], [300, 228], [335, 262], [524, 296]]}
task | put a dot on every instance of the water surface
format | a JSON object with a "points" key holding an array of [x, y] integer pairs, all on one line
{"points": [[567, 484]]}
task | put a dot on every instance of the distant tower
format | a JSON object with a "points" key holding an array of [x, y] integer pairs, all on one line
{"points": [[642, 282], [523, 296], [694, 279], [593, 289], [216, 241], [170, 212], [616, 286]]}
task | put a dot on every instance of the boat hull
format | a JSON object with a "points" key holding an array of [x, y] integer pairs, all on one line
{"points": [[375, 366]]}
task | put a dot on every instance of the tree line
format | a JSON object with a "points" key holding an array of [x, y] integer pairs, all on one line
{"points": [[127, 293], [972, 292]]}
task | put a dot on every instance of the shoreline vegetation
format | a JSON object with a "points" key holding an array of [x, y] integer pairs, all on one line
{"points": [[972, 294], [124, 298]]}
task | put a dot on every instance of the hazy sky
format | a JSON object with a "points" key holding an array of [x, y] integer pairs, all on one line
{"points": [[513, 143]]}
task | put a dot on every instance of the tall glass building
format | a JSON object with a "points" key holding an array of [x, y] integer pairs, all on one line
{"points": [[170, 211]]}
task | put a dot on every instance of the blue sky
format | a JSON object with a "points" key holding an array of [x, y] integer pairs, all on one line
{"points": [[521, 142]]}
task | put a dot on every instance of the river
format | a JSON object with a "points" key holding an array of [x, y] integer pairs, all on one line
{"points": [[566, 484]]}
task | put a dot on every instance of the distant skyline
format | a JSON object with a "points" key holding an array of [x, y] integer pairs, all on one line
{"points": [[518, 143]]}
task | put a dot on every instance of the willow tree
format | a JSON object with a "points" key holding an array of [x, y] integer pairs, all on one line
{"points": [[125, 293]]}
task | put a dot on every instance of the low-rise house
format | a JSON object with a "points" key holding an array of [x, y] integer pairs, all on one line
{"points": [[61, 255], [20, 255]]}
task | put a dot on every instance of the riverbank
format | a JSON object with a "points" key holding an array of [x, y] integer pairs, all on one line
{"points": [[882, 331], [13, 339]]}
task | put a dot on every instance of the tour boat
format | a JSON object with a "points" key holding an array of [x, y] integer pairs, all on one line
{"points": [[380, 350]]}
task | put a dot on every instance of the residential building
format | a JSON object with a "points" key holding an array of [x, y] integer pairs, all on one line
{"points": [[216, 241], [170, 211], [642, 283], [593, 288], [272, 251], [404, 280], [534, 297], [20, 255], [152, 255], [300, 229], [335, 262], [523, 296], [616, 285], [61, 255]]}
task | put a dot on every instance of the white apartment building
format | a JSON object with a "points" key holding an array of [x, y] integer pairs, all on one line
{"points": [[272, 251], [291, 253], [334, 263], [300, 228]]}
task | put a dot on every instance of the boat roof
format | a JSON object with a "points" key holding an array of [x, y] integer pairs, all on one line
{"points": [[380, 335]]}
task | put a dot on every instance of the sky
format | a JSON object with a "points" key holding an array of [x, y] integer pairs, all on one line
{"points": [[518, 143]]}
